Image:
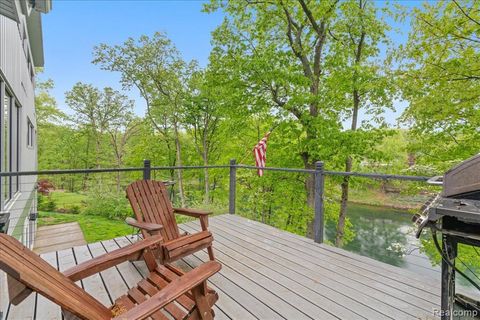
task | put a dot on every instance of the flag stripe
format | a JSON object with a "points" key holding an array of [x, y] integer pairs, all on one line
{"points": [[260, 153]]}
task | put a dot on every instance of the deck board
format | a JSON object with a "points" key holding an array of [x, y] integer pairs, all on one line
{"points": [[350, 297], [361, 289], [46, 309], [363, 262], [94, 283], [331, 266], [266, 274]]}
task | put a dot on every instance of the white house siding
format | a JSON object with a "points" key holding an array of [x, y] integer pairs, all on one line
{"points": [[16, 74]]}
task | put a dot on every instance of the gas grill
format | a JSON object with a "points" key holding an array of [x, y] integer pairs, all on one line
{"points": [[455, 214], [4, 221]]}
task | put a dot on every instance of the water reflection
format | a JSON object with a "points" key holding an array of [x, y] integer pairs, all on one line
{"points": [[388, 235], [380, 233]]}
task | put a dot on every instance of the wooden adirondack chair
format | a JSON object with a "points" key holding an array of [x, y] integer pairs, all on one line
{"points": [[154, 214], [159, 294]]}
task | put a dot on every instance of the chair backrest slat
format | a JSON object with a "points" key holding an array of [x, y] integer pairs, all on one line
{"points": [[156, 208], [151, 203], [28, 268], [163, 204]]}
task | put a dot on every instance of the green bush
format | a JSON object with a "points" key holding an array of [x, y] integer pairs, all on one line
{"points": [[110, 205], [46, 203], [40, 201], [75, 209]]}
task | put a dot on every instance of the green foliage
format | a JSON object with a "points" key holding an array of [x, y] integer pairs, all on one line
{"points": [[440, 80], [46, 108], [46, 203], [107, 204], [75, 209], [467, 254], [40, 200]]}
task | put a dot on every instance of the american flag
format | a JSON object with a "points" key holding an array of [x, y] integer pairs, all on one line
{"points": [[260, 154]]}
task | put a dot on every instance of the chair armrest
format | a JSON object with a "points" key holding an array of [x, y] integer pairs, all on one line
{"points": [[108, 260], [172, 291], [192, 212], [143, 225]]}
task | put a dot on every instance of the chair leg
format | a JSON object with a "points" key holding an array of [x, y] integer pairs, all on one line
{"points": [[210, 253], [200, 297]]}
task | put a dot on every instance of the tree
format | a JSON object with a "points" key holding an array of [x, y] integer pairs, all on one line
{"points": [[153, 65], [202, 117], [276, 54], [311, 64], [46, 107], [360, 81], [440, 78], [98, 111], [50, 127], [121, 131]]}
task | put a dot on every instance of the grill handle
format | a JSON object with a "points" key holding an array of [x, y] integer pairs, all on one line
{"points": [[437, 180]]}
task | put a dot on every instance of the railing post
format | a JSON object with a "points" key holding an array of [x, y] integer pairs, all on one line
{"points": [[147, 171], [318, 222], [233, 186]]}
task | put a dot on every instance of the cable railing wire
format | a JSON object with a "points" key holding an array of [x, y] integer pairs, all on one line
{"points": [[238, 166], [94, 178]]}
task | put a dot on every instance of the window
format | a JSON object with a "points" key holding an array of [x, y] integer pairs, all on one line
{"points": [[15, 142], [6, 146], [9, 137], [30, 133]]}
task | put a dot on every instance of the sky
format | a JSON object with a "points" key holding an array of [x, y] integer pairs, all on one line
{"points": [[74, 27]]}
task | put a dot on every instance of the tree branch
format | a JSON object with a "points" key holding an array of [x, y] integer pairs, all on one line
{"points": [[465, 13]]}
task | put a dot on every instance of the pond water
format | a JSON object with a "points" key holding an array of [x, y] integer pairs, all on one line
{"points": [[386, 235]]}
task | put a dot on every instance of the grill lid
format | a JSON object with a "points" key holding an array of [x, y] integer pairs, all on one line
{"points": [[463, 180]]}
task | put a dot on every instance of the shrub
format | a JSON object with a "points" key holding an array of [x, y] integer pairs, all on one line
{"points": [[75, 209], [110, 205], [44, 186], [51, 205], [40, 201], [46, 203]]}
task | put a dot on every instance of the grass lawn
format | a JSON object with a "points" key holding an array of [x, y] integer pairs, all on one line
{"points": [[95, 228], [67, 199]]}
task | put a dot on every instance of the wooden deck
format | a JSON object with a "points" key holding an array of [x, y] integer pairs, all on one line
{"points": [[58, 237], [267, 274]]}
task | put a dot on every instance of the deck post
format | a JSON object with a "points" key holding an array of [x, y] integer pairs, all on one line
{"points": [[318, 222], [233, 186], [147, 170]]}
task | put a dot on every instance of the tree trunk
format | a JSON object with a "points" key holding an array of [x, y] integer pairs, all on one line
{"points": [[345, 184], [310, 184], [207, 183], [97, 136], [205, 163], [343, 205], [348, 162], [179, 163], [119, 165]]}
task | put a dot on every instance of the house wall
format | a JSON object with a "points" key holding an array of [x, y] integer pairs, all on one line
{"points": [[17, 80], [16, 74]]}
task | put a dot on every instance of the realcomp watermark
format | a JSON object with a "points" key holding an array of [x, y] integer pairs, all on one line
{"points": [[455, 313]]}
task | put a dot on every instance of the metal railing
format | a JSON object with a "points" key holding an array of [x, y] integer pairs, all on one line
{"points": [[318, 172]]}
